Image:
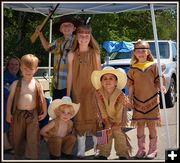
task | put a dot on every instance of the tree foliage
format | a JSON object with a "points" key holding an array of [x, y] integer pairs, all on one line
{"points": [[127, 26]]}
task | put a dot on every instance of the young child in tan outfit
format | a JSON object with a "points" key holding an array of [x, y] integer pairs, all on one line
{"points": [[58, 132], [144, 86], [113, 106], [29, 108]]}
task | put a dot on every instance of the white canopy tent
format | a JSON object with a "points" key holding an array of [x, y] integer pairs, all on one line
{"points": [[67, 8]]}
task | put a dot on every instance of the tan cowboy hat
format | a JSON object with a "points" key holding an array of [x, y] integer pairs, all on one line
{"points": [[58, 102], [64, 19], [119, 73]]}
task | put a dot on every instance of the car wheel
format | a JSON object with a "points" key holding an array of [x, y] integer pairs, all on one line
{"points": [[170, 96]]}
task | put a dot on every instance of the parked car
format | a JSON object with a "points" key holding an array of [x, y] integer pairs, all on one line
{"points": [[168, 57]]}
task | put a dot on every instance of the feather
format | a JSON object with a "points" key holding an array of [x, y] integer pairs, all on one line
{"points": [[87, 20]]}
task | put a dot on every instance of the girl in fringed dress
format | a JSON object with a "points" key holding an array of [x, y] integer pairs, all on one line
{"points": [[144, 86], [82, 61]]}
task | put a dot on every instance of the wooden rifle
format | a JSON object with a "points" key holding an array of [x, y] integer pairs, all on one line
{"points": [[42, 25]]}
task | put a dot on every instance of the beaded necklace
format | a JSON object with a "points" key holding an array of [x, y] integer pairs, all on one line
{"points": [[81, 61]]}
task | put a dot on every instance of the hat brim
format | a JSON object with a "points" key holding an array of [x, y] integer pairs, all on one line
{"points": [[58, 102], [119, 73], [56, 25]]}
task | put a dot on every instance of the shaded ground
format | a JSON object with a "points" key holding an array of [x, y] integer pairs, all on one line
{"points": [[173, 125]]}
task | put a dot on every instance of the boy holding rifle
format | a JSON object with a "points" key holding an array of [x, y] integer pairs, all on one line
{"points": [[60, 47]]}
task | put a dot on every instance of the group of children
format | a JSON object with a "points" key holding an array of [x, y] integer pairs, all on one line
{"points": [[96, 96]]}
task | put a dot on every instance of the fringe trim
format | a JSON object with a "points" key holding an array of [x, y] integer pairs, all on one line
{"points": [[135, 123], [128, 144], [124, 121]]}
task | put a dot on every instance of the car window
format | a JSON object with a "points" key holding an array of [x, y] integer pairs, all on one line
{"points": [[120, 55], [163, 49]]}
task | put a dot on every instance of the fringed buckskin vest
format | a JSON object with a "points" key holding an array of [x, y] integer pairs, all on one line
{"points": [[39, 97]]}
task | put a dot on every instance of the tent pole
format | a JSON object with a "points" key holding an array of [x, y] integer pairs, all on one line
{"points": [[50, 40], [160, 71], [107, 59]]}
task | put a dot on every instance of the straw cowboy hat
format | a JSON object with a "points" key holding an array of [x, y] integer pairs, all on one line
{"points": [[119, 73], [64, 19], [58, 102]]}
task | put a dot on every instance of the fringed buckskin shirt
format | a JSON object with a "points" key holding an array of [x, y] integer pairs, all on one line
{"points": [[114, 108]]}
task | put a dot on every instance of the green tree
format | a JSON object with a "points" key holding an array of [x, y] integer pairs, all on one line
{"points": [[127, 26]]}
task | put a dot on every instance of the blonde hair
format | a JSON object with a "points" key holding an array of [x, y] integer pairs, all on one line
{"points": [[144, 45], [61, 108], [30, 60], [93, 43]]}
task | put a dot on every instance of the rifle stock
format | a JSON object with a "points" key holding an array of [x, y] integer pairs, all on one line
{"points": [[42, 25]]}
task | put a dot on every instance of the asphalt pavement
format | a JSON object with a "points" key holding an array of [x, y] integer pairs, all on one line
{"points": [[163, 142]]}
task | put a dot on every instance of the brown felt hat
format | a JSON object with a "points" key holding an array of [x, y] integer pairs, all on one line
{"points": [[64, 19]]}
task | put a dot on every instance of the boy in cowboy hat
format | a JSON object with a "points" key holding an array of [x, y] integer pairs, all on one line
{"points": [[65, 28], [113, 105], [57, 132]]}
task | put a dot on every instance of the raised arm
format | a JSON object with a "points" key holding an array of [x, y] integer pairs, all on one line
{"points": [[44, 42]]}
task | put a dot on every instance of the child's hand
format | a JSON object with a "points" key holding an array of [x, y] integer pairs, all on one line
{"points": [[9, 118], [38, 31], [163, 67], [116, 127], [107, 126], [42, 116], [164, 90], [131, 105], [106, 123], [109, 132], [45, 136]]}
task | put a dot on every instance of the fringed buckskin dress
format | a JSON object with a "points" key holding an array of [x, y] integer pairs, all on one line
{"points": [[83, 92], [146, 85]]}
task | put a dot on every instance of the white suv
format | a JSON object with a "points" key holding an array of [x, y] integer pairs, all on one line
{"points": [[168, 56]]}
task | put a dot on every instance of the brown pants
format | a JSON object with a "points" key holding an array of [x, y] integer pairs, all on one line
{"points": [[26, 134], [121, 144], [56, 145]]}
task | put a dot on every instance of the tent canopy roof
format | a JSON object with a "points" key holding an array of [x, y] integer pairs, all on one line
{"points": [[85, 8]]}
